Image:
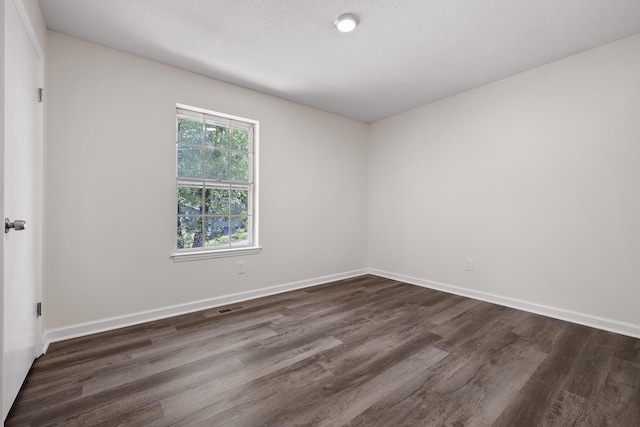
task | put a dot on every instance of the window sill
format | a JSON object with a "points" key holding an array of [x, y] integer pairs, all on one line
{"points": [[220, 253]]}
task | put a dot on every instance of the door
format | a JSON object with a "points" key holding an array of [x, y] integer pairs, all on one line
{"points": [[22, 261]]}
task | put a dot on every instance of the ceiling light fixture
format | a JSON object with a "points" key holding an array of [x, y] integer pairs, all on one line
{"points": [[346, 22]]}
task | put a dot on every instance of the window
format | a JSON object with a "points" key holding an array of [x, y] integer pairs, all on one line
{"points": [[216, 183]]}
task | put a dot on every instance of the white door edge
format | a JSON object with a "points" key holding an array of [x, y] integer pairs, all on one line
{"points": [[37, 45]]}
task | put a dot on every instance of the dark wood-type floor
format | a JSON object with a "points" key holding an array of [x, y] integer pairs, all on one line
{"points": [[366, 351]]}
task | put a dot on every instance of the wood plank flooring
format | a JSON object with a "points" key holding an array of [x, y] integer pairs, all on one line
{"points": [[366, 351]]}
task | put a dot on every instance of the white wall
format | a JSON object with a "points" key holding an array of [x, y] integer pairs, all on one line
{"points": [[110, 184], [535, 177]]}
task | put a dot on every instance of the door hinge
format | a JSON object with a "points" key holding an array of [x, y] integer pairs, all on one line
{"points": [[40, 94], [39, 309]]}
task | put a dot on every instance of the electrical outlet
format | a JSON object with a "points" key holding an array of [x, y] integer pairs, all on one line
{"points": [[240, 267], [468, 264]]}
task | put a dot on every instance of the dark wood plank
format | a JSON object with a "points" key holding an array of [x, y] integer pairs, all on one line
{"points": [[536, 398], [435, 401], [592, 365], [620, 402], [265, 398]]}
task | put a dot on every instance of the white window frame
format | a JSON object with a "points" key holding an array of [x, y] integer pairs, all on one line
{"points": [[192, 254]]}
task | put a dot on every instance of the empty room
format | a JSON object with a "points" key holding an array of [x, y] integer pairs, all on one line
{"points": [[320, 213]]}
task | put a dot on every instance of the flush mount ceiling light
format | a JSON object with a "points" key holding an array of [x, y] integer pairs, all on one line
{"points": [[346, 22]]}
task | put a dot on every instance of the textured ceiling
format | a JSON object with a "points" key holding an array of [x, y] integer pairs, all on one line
{"points": [[404, 53]]}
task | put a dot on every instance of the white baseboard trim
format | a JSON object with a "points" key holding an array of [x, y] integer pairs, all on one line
{"points": [[610, 325], [102, 325]]}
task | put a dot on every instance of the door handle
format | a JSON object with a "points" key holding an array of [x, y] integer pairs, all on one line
{"points": [[17, 225]]}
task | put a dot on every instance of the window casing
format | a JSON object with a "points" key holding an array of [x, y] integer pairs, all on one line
{"points": [[216, 185]]}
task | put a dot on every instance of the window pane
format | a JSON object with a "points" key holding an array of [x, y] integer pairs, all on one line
{"points": [[189, 131], [217, 200], [217, 136], [189, 232], [217, 231], [215, 181], [189, 200], [189, 162], [217, 164], [240, 167], [239, 201], [239, 230], [239, 139]]}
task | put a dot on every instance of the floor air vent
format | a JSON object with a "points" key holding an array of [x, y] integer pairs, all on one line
{"points": [[230, 309]]}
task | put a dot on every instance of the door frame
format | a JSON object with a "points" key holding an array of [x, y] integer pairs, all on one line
{"points": [[38, 47]]}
